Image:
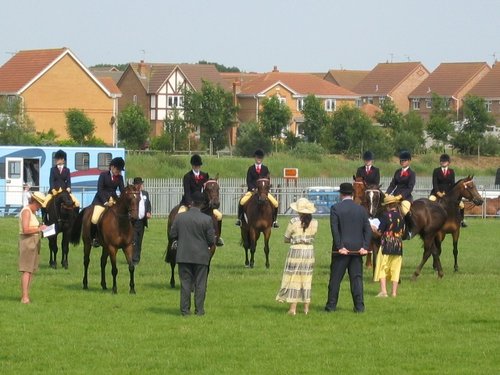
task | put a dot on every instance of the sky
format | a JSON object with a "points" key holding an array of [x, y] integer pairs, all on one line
{"points": [[256, 35]]}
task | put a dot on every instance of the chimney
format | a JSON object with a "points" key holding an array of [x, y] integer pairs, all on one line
{"points": [[275, 69], [141, 68]]}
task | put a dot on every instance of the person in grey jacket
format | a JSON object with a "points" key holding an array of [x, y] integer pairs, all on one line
{"points": [[195, 234], [351, 233]]}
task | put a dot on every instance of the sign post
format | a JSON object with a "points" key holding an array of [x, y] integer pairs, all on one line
{"points": [[291, 174]]}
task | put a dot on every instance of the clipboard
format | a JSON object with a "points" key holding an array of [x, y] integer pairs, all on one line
{"points": [[49, 231]]}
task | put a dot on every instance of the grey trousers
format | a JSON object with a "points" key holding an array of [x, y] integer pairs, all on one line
{"points": [[193, 277]]}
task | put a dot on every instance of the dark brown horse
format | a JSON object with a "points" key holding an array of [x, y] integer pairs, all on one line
{"points": [[115, 232], [433, 220], [212, 201], [258, 219], [62, 212], [491, 207]]}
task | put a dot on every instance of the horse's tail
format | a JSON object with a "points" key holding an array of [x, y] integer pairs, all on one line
{"points": [[76, 230]]}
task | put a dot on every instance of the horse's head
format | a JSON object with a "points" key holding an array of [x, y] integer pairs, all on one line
{"points": [[373, 198], [211, 193], [359, 185], [131, 201], [467, 189], [263, 187]]}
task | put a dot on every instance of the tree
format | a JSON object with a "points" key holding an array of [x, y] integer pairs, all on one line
{"points": [[176, 129], [389, 116], [79, 127], [212, 110], [315, 118], [275, 117], [15, 128], [133, 127], [440, 125], [411, 134], [251, 138], [474, 124], [221, 67]]}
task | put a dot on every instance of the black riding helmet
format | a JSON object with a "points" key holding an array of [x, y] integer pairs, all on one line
{"points": [[444, 158], [60, 154], [196, 160], [259, 153], [405, 155], [118, 163], [368, 155]]}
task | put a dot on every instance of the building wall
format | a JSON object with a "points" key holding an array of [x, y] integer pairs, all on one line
{"points": [[400, 94], [66, 85]]}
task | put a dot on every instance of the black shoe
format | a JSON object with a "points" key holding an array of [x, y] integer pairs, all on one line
{"points": [[95, 243], [220, 242], [329, 309], [463, 224], [275, 224], [360, 311], [238, 223]]}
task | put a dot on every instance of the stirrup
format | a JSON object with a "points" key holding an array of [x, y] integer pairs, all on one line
{"points": [[275, 224], [95, 243], [238, 223], [220, 242]]}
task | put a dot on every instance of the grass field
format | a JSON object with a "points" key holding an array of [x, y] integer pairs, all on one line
{"points": [[448, 326]]}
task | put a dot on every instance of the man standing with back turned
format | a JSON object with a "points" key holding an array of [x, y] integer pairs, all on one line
{"points": [[351, 233], [195, 234]]}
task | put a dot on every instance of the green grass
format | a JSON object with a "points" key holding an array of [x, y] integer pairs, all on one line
{"points": [[448, 326]]}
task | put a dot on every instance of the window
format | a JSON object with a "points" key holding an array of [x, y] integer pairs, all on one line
{"points": [[82, 160], [428, 103], [153, 101], [330, 105], [103, 160], [416, 104], [369, 100], [300, 104], [134, 99], [381, 100], [14, 169], [175, 101], [488, 104], [359, 103], [282, 100]]}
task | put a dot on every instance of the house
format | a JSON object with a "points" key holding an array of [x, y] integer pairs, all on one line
{"points": [[391, 80], [158, 88], [292, 89], [488, 88], [346, 78], [452, 81], [51, 81], [112, 72]]}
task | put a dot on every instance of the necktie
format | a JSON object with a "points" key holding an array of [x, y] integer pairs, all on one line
{"points": [[114, 178], [257, 168], [368, 170], [445, 171], [197, 177], [404, 173]]}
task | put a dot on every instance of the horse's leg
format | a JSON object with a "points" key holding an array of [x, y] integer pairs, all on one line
{"points": [[267, 235], [245, 243], [104, 261], [65, 249], [456, 235], [131, 268], [254, 237], [428, 248], [53, 251], [86, 261], [114, 268]]}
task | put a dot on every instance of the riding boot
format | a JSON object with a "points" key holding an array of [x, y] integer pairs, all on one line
{"points": [[240, 215], [220, 241], [463, 224], [407, 235], [275, 218], [94, 235]]}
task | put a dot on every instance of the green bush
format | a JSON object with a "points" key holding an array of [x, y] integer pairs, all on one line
{"points": [[250, 138], [311, 151], [161, 143], [490, 146]]}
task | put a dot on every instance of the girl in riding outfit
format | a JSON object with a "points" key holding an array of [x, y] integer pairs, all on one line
{"points": [[370, 173], [60, 179], [401, 187], [255, 172], [193, 181], [443, 180], [107, 184]]}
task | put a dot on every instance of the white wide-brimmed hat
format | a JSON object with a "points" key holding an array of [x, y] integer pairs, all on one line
{"points": [[303, 206], [39, 197]]}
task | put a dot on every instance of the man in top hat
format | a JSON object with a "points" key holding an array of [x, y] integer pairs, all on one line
{"points": [[107, 184], [142, 220], [351, 233], [443, 180], [60, 178], [370, 173], [192, 182], [256, 171]]}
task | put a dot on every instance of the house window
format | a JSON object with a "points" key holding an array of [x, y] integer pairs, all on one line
{"points": [[82, 160], [330, 105], [488, 104], [103, 160], [428, 103], [359, 103], [369, 100], [152, 100], [381, 100], [416, 104], [300, 104], [282, 100], [175, 101], [134, 99]]}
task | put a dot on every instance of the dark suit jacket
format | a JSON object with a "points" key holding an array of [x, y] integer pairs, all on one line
{"points": [[350, 226], [253, 176], [106, 188], [59, 180], [191, 185], [147, 206], [442, 183], [195, 233], [402, 185], [373, 178]]}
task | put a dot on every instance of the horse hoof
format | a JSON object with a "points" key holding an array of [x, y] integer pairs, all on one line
{"points": [[414, 277], [64, 265], [172, 285], [104, 287], [53, 265], [440, 275], [267, 266], [132, 291], [251, 265], [85, 287]]}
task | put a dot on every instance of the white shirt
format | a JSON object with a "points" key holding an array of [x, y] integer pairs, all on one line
{"points": [[142, 206]]}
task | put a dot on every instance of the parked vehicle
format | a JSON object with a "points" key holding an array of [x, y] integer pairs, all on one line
{"points": [[323, 197]]}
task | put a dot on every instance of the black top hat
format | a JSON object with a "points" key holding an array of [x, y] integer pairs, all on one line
{"points": [[196, 160], [118, 163], [404, 155], [197, 197], [60, 154], [138, 181], [346, 188], [444, 157], [368, 155], [259, 153]]}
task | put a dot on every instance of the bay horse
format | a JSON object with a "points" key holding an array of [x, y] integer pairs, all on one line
{"points": [[258, 219], [62, 212], [115, 231], [212, 201], [491, 207], [433, 220]]}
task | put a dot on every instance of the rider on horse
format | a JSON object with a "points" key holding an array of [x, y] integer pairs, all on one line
{"points": [[60, 179], [443, 180], [107, 184], [370, 173], [401, 187], [255, 172], [194, 181]]}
